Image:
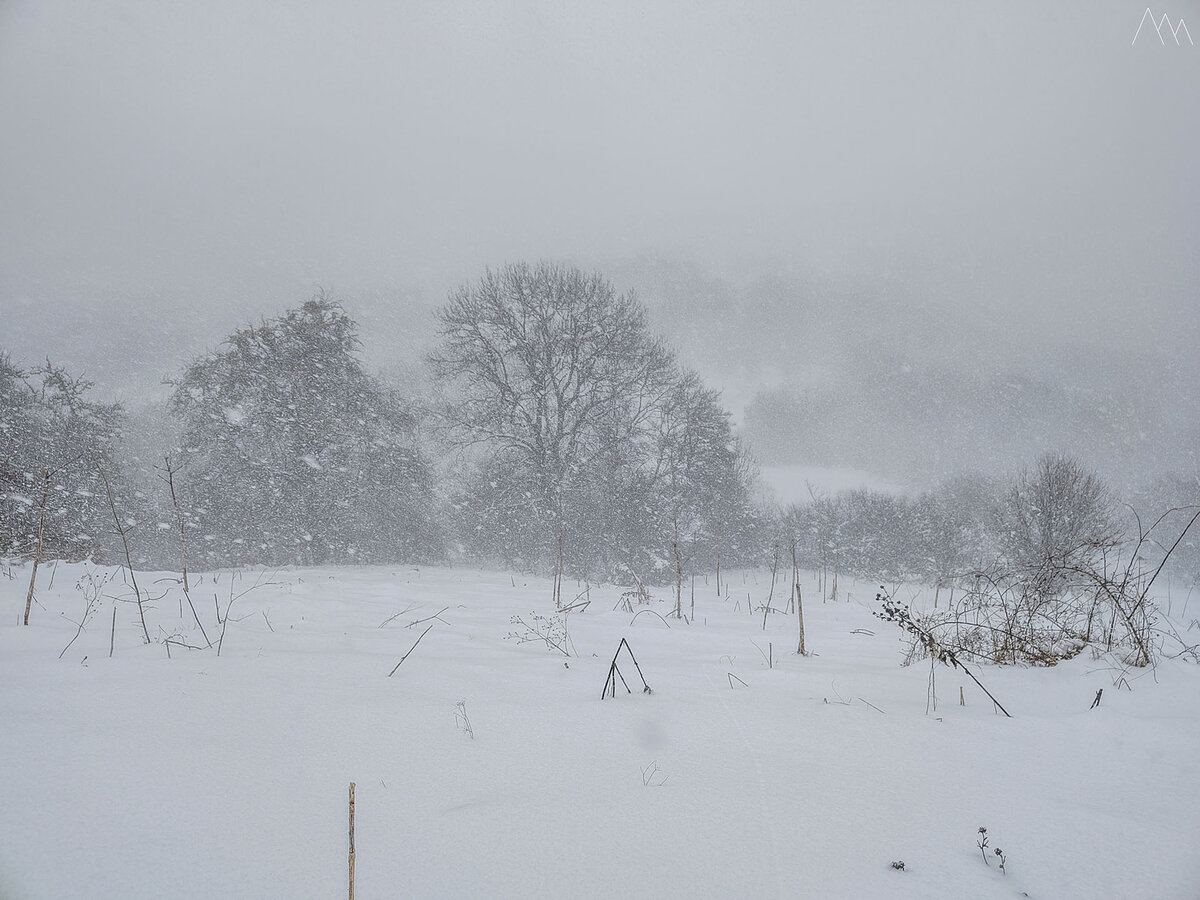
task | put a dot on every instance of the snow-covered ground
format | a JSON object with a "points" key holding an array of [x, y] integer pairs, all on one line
{"points": [[143, 776]]}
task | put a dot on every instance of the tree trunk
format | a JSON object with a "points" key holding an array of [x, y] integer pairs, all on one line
{"points": [[37, 554]]}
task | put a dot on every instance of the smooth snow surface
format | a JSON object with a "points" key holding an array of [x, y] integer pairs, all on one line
{"points": [[139, 776]]}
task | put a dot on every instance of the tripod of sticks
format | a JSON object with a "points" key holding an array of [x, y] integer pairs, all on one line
{"points": [[610, 683]]}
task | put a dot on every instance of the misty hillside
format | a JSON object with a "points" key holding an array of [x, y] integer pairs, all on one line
{"points": [[870, 376]]}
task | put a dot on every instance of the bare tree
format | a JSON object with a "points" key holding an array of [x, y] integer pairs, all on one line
{"points": [[37, 553], [552, 365], [1056, 517], [170, 481], [800, 648], [586, 423]]}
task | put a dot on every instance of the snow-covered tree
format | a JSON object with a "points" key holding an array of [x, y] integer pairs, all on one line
{"points": [[293, 453], [48, 424], [16, 428]]}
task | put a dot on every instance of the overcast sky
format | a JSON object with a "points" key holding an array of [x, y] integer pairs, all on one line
{"points": [[1021, 159]]}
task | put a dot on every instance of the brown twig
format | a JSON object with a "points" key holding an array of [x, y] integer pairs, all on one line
{"points": [[437, 615], [410, 650], [123, 532], [170, 480]]}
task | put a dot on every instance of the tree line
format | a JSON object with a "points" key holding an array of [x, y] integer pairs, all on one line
{"points": [[562, 436]]}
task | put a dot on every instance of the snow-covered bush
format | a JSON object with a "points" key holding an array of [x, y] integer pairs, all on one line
{"points": [[932, 537], [293, 453]]}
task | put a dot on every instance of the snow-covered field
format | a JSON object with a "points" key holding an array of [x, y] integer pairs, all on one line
{"points": [[143, 776]]}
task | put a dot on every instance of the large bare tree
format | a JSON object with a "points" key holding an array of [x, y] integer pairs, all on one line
{"points": [[587, 423], [552, 365]]}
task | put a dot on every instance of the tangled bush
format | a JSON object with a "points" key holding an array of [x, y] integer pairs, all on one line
{"points": [[1009, 616], [1065, 579]]}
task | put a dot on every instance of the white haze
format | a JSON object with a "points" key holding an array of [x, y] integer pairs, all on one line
{"points": [[1007, 186]]}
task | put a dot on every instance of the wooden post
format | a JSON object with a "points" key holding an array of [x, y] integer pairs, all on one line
{"points": [[799, 599], [352, 840]]}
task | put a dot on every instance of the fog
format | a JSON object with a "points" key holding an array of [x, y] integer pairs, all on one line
{"points": [[1005, 192]]}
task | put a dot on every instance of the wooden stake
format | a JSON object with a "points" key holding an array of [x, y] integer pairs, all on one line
{"points": [[799, 599], [614, 673], [351, 858]]}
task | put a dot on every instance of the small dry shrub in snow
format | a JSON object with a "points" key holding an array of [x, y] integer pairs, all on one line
{"points": [[548, 630], [982, 844], [635, 596], [462, 720], [923, 637], [653, 776], [1041, 616]]}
